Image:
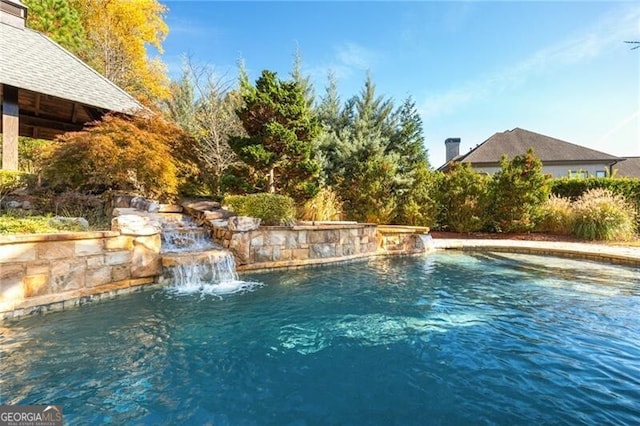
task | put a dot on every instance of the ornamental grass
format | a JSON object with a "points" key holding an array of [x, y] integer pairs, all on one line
{"points": [[601, 215], [557, 216]]}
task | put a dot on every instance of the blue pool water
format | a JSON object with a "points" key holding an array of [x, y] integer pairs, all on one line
{"points": [[450, 339]]}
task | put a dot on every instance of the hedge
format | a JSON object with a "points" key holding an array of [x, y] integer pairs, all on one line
{"points": [[573, 188]]}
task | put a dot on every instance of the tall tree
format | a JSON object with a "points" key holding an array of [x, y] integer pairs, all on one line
{"points": [[181, 105], [204, 106], [244, 84], [119, 32], [374, 112], [304, 81], [367, 177], [408, 139], [329, 109], [59, 20], [280, 132], [329, 112], [375, 156]]}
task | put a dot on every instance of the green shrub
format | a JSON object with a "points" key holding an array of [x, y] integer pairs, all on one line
{"points": [[601, 215], [462, 195], [10, 180], [368, 189], [272, 209], [517, 193], [30, 153], [575, 187], [418, 205], [326, 205], [557, 216]]}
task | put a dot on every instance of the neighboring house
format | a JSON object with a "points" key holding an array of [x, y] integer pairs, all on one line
{"points": [[630, 167], [559, 158]]}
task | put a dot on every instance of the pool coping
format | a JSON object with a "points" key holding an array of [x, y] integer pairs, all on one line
{"points": [[588, 251]]}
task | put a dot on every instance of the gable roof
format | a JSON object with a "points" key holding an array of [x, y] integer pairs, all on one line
{"points": [[629, 167], [32, 61], [517, 141]]}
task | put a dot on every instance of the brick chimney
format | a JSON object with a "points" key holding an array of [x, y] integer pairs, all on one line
{"points": [[453, 148], [13, 12]]}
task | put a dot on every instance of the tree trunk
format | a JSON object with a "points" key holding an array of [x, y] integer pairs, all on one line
{"points": [[272, 185]]}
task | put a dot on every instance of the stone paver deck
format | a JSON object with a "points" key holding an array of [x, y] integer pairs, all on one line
{"points": [[601, 252]]}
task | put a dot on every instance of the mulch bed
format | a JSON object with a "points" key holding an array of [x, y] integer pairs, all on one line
{"points": [[495, 236]]}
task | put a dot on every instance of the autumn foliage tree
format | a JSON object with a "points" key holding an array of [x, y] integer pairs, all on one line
{"points": [[119, 32], [113, 36], [134, 154]]}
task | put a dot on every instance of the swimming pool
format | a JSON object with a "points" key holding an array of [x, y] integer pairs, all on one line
{"points": [[446, 338]]}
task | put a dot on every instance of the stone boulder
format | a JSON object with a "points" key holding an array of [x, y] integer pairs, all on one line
{"points": [[12, 204], [217, 214], [130, 224], [60, 221], [243, 223]]}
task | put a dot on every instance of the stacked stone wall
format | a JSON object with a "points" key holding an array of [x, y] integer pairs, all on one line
{"points": [[273, 247], [402, 243], [46, 271]]}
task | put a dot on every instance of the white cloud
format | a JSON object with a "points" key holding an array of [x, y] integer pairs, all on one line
{"points": [[353, 55], [348, 59], [186, 27], [605, 35]]}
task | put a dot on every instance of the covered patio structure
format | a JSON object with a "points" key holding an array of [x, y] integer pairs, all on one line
{"points": [[44, 89]]}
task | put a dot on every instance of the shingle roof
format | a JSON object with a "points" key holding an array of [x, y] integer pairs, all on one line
{"points": [[517, 141], [630, 167], [32, 61]]}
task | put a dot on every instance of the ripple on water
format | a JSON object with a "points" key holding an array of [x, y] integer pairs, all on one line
{"points": [[467, 338]]}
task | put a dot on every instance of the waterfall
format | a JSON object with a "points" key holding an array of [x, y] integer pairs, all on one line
{"points": [[193, 263], [427, 241]]}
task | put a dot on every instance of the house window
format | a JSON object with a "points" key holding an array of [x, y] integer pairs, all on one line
{"points": [[581, 174], [601, 173]]}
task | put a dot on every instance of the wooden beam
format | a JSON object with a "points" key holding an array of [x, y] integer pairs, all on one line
{"points": [[44, 123], [74, 113], [37, 105], [10, 127]]}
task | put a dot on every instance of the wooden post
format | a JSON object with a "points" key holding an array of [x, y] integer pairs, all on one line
{"points": [[10, 127]]}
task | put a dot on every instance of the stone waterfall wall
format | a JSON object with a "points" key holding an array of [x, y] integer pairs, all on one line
{"points": [[404, 239], [276, 247], [46, 272]]}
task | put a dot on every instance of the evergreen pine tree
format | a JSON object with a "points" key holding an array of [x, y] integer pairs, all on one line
{"points": [[408, 139], [329, 109], [280, 132], [304, 81], [59, 20], [373, 112]]}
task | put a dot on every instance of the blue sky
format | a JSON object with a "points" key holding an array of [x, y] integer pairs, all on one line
{"points": [[474, 68]]}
